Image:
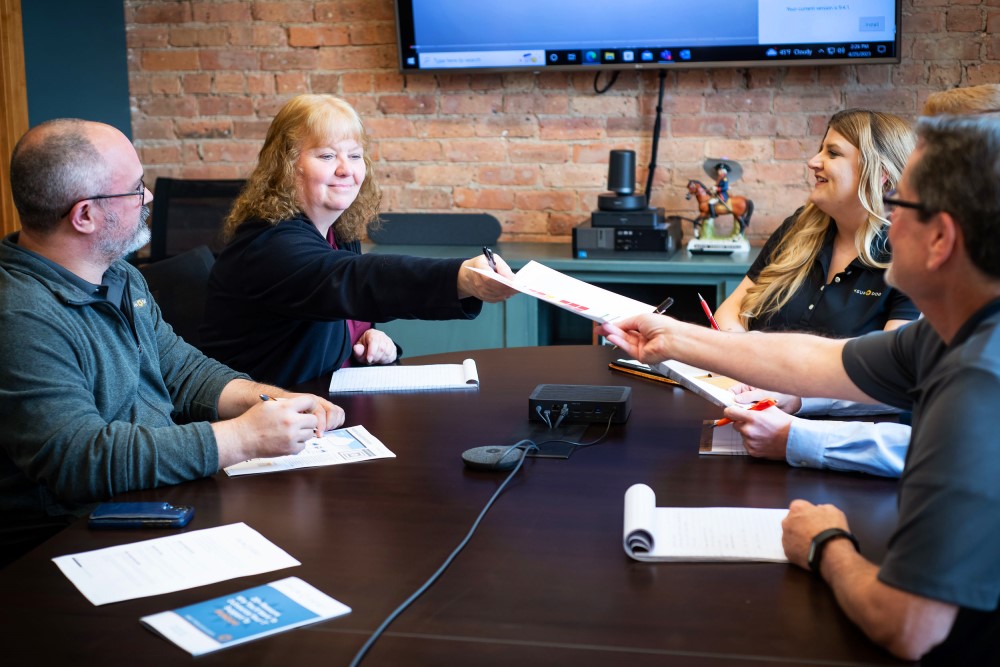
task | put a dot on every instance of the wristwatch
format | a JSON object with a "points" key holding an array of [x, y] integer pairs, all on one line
{"points": [[819, 542]]}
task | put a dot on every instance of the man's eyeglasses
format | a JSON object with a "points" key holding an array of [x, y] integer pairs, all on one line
{"points": [[890, 201], [141, 192]]}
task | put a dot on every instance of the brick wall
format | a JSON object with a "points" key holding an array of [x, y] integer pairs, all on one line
{"points": [[206, 77]]}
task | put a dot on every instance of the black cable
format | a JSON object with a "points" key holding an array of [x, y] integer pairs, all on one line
{"points": [[581, 445], [597, 76], [526, 445], [656, 141]]}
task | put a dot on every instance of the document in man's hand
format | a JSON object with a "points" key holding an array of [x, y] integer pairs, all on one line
{"points": [[699, 533], [710, 386], [344, 445], [374, 379], [251, 614], [574, 295]]}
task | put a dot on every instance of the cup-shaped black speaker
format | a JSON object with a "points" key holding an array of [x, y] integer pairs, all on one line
{"points": [[621, 172]]}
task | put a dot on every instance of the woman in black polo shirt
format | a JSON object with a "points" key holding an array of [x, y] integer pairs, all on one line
{"points": [[822, 272]]}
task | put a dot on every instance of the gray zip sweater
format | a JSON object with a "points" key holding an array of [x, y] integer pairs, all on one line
{"points": [[91, 404]]}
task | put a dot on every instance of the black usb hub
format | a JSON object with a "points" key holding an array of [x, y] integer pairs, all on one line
{"points": [[582, 403]]}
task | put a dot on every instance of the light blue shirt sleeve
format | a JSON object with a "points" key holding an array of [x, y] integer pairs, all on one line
{"points": [[837, 408], [876, 449]]}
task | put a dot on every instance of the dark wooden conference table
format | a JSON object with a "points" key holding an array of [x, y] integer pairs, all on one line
{"points": [[545, 581]]}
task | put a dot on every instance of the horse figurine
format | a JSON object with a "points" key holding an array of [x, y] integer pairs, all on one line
{"points": [[738, 206]]}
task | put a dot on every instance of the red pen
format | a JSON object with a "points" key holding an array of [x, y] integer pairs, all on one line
{"points": [[708, 312], [756, 407]]}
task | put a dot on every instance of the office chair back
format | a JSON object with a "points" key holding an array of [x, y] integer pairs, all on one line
{"points": [[473, 229], [179, 285], [189, 213]]}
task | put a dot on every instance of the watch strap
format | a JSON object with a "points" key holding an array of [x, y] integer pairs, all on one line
{"points": [[819, 544]]}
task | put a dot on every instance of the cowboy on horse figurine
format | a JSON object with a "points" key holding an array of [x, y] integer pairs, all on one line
{"points": [[715, 201]]}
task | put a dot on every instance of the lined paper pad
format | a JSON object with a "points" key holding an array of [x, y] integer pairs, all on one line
{"points": [[371, 379]]}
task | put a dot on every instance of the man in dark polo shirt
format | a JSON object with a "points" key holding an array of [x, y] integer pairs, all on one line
{"points": [[936, 594]]}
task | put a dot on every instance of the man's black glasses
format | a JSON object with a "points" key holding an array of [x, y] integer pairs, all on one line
{"points": [[890, 201], [141, 192]]}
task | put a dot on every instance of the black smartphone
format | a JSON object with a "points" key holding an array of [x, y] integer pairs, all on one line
{"points": [[140, 515]]}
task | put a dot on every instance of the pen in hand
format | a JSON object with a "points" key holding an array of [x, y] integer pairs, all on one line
{"points": [[659, 310], [708, 312], [265, 398], [489, 258], [756, 407]]}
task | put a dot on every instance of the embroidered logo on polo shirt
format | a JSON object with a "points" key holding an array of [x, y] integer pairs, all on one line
{"points": [[138, 303], [867, 293]]}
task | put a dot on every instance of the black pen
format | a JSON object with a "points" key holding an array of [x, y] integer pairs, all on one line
{"points": [[489, 258], [662, 308]]}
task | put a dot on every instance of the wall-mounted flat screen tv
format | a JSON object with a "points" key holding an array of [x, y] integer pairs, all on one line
{"points": [[575, 35]]}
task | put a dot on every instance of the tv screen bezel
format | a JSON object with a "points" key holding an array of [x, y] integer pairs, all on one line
{"points": [[801, 55]]}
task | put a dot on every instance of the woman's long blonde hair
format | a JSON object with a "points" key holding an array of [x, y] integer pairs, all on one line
{"points": [[270, 191], [884, 142]]}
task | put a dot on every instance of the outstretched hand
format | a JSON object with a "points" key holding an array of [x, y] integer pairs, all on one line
{"points": [[374, 347], [645, 337], [471, 283]]}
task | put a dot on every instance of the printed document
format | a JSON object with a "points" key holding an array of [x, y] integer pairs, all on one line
{"points": [[574, 295], [173, 563], [345, 445], [720, 440], [711, 387], [699, 533], [241, 617], [371, 379]]}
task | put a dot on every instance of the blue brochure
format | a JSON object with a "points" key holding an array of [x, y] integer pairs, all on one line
{"points": [[244, 616]]}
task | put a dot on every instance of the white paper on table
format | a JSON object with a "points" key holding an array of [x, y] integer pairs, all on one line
{"points": [[172, 563], [566, 292], [365, 379], [345, 445], [701, 382], [699, 533], [720, 440]]}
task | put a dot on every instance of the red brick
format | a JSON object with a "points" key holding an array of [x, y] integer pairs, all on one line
{"points": [[230, 82], [509, 175], [604, 106], [205, 129], [562, 224], [406, 104], [230, 151], [355, 58], [238, 59], [170, 60], [159, 154], [169, 106], [471, 104], [136, 37], [201, 170], [964, 19], [570, 128], [382, 33], [196, 83], [258, 35], [546, 200], [893, 100], [224, 12], [318, 36], [507, 127], [164, 85], [794, 149], [199, 36], [163, 12], [923, 22], [285, 60], [260, 84], [395, 174], [574, 176], [250, 129], [411, 151], [502, 200], [539, 153], [217, 105], [152, 128], [447, 175], [945, 48], [422, 199], [734, 101], [717, 125], [983, 73], [292, 83], [524, 225], [474, 151], [535, 103], [443, 128], [283, 12]]}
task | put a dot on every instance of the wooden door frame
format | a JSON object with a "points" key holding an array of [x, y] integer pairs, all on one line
{"points": [[13, 103]]}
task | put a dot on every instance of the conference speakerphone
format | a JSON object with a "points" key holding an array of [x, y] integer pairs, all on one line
{"points": [[582, 403]]}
